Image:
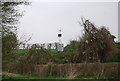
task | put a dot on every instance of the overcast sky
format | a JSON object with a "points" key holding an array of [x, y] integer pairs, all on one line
{"points": [[42, 20]]}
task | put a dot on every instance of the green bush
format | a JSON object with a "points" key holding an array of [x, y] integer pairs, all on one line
{"points": [[115, 58]]}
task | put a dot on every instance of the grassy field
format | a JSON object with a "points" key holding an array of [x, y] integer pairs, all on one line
{"points": [[23, 51], [20, 51]]}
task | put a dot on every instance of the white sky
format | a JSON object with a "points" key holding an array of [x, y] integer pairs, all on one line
{"points": [[42, 20]]}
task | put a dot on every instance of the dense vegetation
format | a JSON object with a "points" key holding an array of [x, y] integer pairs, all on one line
{"points": [[25, 60], [96, 45]]}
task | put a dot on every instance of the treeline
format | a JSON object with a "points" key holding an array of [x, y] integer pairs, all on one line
{"points": [[96, 45]]}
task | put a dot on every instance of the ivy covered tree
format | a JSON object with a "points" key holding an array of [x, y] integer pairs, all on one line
{"points": [[96, 44]]}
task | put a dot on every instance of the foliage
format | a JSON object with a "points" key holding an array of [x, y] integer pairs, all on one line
{"points": [[33, 57], [72, 46], [9, 42], [59, 58], [115, 58], [9, 60], [9, 15], [117, 44], [70, 51], [96, 44], [38, 56]]}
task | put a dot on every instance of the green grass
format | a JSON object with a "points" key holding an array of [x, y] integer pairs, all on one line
{"points": [[52, 50], [117, 45], [20, 51], [23, 51]]}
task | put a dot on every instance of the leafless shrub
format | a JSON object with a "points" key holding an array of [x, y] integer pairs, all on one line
{"points": [[81, 69]]}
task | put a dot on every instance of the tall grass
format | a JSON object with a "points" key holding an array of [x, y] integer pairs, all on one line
{"points": [[72, 70]]}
